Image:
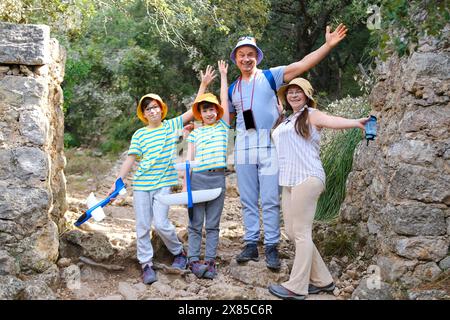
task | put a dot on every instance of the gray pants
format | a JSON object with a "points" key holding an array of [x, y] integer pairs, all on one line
{"points": [[206, 212], [148, 210]]}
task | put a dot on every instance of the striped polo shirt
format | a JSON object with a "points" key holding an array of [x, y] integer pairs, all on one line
{"points": [[210, 145], [298, 158], [156, 151]]}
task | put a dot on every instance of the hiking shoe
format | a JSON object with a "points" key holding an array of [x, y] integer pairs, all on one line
{"points": [[211, 272], [272, 259], [250, 252], [180, 261], [312, 289], [198, 268], [148, 275], [283, 293]]}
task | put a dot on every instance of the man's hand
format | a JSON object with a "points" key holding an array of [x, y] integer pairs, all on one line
{"points": [[333, 38], [187, 130]]}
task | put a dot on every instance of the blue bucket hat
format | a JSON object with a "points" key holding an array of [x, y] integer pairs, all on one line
{"points": [[247, 41]]}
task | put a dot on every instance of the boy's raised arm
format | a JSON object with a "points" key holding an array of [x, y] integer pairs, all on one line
{"points": [[206, 79], [223, 69]]}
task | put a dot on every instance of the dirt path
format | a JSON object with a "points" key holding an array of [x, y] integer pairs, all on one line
{"points": [[97, 282]]}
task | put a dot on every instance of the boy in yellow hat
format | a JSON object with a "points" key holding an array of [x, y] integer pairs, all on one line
{"points": [[208, 145], [154, 146]]}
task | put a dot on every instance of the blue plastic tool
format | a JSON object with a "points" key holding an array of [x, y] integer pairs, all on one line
{"points": [[189, 192], [119, 189]]}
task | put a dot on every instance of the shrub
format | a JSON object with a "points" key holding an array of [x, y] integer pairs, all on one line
{"points": [[337, 148]]}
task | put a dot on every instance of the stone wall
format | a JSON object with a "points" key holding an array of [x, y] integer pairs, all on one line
{"points": [[399, 190], [32, 182]]}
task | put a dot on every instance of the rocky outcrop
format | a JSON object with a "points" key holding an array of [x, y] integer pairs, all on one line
{"points": [[32, 182], [399, 189]]}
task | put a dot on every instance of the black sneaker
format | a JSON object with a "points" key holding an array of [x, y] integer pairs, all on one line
{"points": [[312, 289], [272, 259], [250, 252]]}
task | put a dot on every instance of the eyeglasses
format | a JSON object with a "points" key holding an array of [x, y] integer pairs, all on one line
{"points": [[247, 38], [294, 92], [151, 107]]}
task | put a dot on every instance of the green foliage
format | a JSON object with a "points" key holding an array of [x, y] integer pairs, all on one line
{"points": [[340, 243], [297, 28], [337, 159], [337, 148], [120, 133], [119, 50], [63, 16], [405, 21], [70, 141]]}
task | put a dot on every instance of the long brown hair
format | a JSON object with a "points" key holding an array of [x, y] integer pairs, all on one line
{"points": [[302, 126]]}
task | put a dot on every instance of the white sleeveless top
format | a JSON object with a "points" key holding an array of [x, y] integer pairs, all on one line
{"points": [[298, 158]]}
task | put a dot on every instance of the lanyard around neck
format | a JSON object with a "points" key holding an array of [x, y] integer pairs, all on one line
{"points": [[240, 91]]}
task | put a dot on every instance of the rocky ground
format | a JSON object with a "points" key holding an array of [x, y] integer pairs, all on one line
{"points": [[98, 260]]}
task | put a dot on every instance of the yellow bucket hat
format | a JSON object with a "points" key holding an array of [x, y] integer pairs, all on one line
{"points": [[206, 97], [153, 96], [304, 85]]}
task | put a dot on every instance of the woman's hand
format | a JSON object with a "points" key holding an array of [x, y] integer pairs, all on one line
{"points": [[361, 122], [208, 76], [333, 38]]}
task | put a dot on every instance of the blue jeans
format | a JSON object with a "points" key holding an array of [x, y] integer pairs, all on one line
{"points": [[257, 177]]}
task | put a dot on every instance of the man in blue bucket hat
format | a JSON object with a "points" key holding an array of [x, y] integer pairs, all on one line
{"points": [[253, 99]]}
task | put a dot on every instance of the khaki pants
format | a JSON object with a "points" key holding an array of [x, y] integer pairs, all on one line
{"points": [[299, 206]]}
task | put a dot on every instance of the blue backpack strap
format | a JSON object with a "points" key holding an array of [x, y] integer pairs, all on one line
{"points": [[269, 76], [230, 90]]}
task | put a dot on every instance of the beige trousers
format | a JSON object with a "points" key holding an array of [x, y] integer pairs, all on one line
{"points": [[299, 207]]}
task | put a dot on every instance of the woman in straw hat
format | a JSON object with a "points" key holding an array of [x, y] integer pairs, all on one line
{"points": [[208, 145], [302, 178]]}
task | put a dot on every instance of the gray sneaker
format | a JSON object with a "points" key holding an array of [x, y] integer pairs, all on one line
{"points": [[148, 275]]}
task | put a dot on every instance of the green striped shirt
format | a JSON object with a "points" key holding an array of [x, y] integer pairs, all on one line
{"points": [[210, 146], [156, 151]]}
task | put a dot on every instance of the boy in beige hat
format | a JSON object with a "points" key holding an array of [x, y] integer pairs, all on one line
{"points": [[208, 145], [154, 146]]}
